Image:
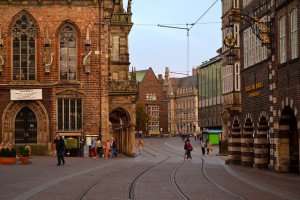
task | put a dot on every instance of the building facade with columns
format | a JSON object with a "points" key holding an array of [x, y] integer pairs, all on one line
{"points": [[265, 132], [65, 70]]}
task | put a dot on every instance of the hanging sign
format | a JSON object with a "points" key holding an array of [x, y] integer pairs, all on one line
{"points": [[26, 94]]}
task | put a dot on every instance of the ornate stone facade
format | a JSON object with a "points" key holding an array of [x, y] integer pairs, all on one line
{"points": [[182, 94], [61, 69]]}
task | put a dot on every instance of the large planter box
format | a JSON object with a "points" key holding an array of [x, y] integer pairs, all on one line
{"points": [[7, 160]]}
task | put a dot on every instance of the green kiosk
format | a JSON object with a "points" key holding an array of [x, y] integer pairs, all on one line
{"points": [[213, 135]]}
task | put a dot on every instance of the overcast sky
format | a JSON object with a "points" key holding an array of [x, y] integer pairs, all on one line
{"points": [[158, 47]]}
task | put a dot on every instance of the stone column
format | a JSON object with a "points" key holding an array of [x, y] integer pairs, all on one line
{"points": [[131, 141], [247, 158]]}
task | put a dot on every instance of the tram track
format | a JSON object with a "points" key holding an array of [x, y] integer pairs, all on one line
{"points": [[174, 183], [159, 172], [155, 153], [204, 172]]}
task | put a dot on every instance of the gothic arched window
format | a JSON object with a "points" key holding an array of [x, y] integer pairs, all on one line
{"points": [[24, 41], [68, 52]]}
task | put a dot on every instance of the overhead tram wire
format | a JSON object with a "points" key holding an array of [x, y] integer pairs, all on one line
{"points": [[188, 28], [192, 25], [203, 23]]}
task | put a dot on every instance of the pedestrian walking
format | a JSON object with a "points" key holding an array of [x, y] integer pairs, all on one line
{"points": [[195, 135], [182, 136], [113, 147], [188, 148], [140, 146], [208, 147], [60, 149], [202, 145]]}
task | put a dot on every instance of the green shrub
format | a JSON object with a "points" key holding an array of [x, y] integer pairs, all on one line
{"points": [[8, 152], [24, 151]]}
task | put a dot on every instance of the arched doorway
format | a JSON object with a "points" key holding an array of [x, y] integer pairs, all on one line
{"points": [[25, 126], [288, 145], [27, 117], [122, 130]]}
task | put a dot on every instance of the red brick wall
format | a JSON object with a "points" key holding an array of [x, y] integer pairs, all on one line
{"points": [[151, 85], [54, 16]]}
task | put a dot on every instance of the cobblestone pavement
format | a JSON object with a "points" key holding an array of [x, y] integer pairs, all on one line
{"points": [[159, 173]]}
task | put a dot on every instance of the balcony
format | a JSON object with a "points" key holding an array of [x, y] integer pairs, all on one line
{"points": [[124, 86]]}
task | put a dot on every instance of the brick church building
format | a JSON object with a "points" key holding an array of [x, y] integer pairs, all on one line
{"points": [[64, 68]]}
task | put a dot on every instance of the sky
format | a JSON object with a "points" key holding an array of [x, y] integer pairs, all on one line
{"points": [[160, 47]]}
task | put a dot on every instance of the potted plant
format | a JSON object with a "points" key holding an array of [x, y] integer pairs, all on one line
{"points": [[7, 155], [24, 154]]}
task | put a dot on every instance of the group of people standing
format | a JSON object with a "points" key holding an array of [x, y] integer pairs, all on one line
{"points": [[205, 145], [98, 150], [106, 150]]}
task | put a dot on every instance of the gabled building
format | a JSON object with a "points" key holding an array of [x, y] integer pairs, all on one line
{"points": [[152, 98], [182, 94], [64, 68]]}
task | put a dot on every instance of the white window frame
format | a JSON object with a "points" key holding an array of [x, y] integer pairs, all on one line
{"points": [[282, 39], [294, 34], [253, 51], [227, 79], [237, 77]]}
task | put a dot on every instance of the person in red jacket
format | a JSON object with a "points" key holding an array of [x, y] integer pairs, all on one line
{"points": [[188, 148]]}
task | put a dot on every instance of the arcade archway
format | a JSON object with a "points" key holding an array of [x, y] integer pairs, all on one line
{"points": [[122, 130], [288, 141]]}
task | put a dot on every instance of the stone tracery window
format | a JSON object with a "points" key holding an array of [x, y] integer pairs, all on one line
{"points": [[24, 48], [68, 51]]}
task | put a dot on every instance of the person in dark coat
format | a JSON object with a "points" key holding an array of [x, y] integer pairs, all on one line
{"points": [[60, 149], [113, 148]]}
